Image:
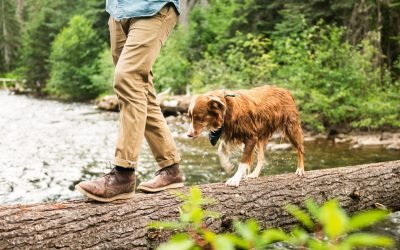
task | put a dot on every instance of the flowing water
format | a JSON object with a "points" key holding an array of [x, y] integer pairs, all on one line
{"points": [[46, 147]]}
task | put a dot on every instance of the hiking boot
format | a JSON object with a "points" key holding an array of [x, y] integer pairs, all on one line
{"points": [[116, 185], [166, 178]]}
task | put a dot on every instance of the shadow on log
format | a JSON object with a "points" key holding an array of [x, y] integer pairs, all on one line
{"points": [[121, 225]]}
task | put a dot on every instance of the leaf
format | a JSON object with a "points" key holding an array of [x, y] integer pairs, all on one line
{"points": [[312, 208], [333, 219], [318, 245], [298, 237], [367, 240], [248, 230], [223, 242], [300, 215], [178, 241], [273, 235], [242, 229], [236, 240], [181, 245], [365, 219]]}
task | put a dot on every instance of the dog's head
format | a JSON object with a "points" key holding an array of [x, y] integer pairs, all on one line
{"points": [[206, 112]]}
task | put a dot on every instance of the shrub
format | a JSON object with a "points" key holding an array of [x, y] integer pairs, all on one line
{"points": [[335, 83], [324, 227], [172, 68], [245, 63], [72, 58], [104, 78]]}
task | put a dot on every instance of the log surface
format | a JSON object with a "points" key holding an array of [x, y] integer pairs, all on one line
{"points": [[122, 225]]}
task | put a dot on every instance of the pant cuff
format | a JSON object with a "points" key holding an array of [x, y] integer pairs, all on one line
{"points": [[124, 163], [169, 162]]}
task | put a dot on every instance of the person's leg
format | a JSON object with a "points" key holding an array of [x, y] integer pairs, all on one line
{"points": [[163, 147], [120, 182], [132, 81], [157, 132]]}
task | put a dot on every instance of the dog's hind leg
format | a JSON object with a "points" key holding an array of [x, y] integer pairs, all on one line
{"points": [[260, 160], [295, 134], [223, 154]]}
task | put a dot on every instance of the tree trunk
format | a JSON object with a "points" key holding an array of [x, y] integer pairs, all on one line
{"points": [[185, 8], [86, 224]]}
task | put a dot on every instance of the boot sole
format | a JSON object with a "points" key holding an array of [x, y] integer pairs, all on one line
{"points": [[154, 190], [123, 196]]}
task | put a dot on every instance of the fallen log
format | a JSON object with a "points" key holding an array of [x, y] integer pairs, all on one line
{"points": [[87, 224], [170, 105]]}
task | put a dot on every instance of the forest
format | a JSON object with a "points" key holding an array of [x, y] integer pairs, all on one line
{"points": [[340, 59]]}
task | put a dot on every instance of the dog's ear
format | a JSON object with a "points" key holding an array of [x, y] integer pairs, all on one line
{"points": [[215, 103]]}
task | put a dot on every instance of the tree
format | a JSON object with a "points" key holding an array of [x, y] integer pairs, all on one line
{"points": [[9, 29], [44, 20], [71, 60]]}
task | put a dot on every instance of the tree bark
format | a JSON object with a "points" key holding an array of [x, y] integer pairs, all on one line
{"points": [[122, 224]]}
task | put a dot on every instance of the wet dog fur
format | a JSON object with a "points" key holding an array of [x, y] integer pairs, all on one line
{"points": [[248, 117]]}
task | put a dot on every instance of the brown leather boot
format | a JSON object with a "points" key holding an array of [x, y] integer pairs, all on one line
{"points": [[166, 178], [116, 185]]}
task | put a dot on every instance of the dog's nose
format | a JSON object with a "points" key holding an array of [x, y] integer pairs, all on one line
{"points": [[190, 135]]}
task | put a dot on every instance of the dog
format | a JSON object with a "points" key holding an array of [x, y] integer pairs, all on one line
{"points": [[248, 117]]}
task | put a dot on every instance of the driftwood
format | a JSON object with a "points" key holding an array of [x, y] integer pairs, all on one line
{"points": [[86, 224], [170, 105]]}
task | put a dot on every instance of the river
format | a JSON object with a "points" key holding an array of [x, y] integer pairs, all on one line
{"points": [[47, 146]]}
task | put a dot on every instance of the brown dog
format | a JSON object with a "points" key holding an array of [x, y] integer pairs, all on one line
{"points": [[248, 117]]}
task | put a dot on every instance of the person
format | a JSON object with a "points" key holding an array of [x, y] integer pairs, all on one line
{"points": [[138, 29]]}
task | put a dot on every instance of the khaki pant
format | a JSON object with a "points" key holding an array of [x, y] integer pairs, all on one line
{"points": [[135, 45]]}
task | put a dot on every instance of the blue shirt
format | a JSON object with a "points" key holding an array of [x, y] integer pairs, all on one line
{"points": [[122, 9]]}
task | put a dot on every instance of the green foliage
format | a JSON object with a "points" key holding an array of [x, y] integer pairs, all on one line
{"points": [[104, 76], [9, 34], [333, 81], [171, 69], [71, 59], [343, 70], [43, 22], [327, 227], [244, 63]]}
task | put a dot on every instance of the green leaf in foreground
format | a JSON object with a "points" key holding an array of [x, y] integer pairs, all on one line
{"points": [[178, 241], [300, 215], [365, 219], [365, 239]]}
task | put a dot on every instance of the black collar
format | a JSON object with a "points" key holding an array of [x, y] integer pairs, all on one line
{"points": [[214, 136]]}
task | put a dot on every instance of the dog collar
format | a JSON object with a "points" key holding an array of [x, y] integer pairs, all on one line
{"points": [[214, 136]]}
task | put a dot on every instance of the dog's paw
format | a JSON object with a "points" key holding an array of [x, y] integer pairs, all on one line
{"points": [[300, 172], [233, 182], [251, 176]]}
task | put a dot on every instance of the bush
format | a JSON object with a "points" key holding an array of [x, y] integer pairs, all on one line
{"points": [[72, 60], [335, 83], [105, 76], [172, 68], [324, 227], [245, 63]]}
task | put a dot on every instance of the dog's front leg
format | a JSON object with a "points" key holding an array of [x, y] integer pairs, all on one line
{"points": [[223, 154], [245, 163]]}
